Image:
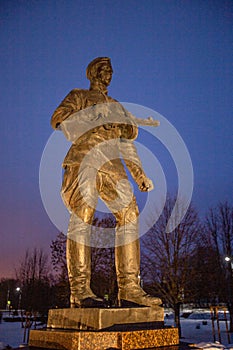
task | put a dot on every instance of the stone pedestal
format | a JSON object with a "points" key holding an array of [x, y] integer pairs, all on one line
{"points": [[102, 329], [103, 340], [97, 318]]}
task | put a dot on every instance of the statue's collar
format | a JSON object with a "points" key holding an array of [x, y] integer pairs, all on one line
{"points": [[98, 86]]}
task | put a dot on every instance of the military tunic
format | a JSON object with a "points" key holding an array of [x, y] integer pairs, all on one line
{"points": [[93, 165]]}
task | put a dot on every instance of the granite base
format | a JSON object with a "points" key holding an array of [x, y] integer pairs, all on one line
{"points": [[103, 340]]}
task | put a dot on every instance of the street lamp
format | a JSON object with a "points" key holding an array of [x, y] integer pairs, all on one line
{"points": [[18, 290], [8, 302], [229, 259]]}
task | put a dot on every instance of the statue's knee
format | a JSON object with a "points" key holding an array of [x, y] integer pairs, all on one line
{"points": [[84, 213], [129, 215]]}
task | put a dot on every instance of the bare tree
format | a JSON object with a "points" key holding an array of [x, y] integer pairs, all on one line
{"points": [[33, 276], [206, 284], [103, 279], [166, 256], [58, 258], [58, 249], [219, 229], [8, 293], [33, 266], [103, 257]]}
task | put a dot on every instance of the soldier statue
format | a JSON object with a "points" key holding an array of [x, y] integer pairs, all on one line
{"points": [[93, 168]]}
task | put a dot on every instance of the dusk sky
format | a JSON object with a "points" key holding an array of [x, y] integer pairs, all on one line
{"points": [[172, 56]]}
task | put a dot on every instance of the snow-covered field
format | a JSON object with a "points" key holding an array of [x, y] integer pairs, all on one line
{"points": [[11, 333], [195, 329], [200, 330]]}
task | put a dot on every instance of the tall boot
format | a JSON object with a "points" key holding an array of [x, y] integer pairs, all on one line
{"points": [[78, 254], [127, 260]]}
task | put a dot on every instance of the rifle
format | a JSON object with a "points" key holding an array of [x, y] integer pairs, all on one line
{"points": [[82, 121], [147, 122]]}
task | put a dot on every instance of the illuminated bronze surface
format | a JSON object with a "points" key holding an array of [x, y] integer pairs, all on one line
{"points": [[101, 131], [105, 318]]}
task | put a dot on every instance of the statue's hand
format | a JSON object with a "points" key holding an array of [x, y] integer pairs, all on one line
{"points": [[145, 184]]}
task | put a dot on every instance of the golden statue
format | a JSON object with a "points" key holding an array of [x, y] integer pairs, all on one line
{"points": [[101, 131]]}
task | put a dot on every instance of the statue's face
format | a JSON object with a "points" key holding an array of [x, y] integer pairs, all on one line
{"points": [[105, 74]]}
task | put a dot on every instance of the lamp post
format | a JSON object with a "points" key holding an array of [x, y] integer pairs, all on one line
{"points": [[18, 290], [8, 300], [229, 261]]}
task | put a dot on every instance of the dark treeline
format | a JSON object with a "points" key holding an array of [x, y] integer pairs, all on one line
{"points": [[185, 264]]}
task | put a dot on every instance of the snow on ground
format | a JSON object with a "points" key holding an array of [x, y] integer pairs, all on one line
{"points": [[194, 330], [11, 333], [197, 328]]}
